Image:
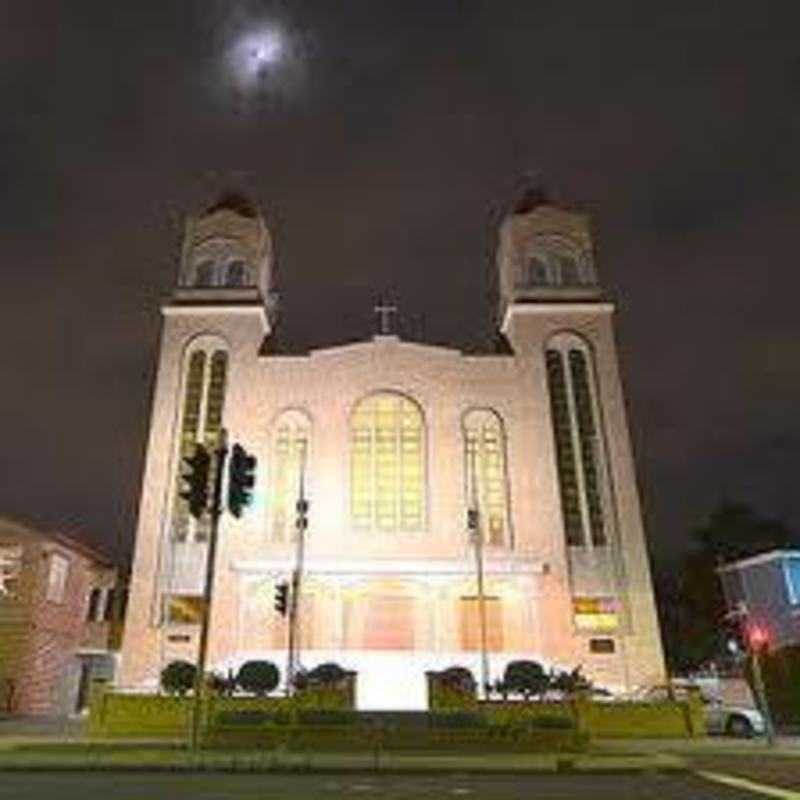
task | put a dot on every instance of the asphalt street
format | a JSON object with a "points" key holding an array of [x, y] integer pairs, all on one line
{"points": [[122, 786]]}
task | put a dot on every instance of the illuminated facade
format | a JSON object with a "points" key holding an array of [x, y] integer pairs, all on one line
{"points": [[396, 442]]}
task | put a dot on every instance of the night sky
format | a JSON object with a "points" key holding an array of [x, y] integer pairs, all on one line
{"points": [[379, 143]]}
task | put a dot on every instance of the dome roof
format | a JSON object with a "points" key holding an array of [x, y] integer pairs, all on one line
{"points": [[528, 199], [236, 202]]}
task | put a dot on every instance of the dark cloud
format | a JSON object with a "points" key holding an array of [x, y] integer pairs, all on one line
{"points": [[380, 150]]}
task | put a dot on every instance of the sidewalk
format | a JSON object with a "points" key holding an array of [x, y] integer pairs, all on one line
{"points": [[785, 746], [126, 757]]}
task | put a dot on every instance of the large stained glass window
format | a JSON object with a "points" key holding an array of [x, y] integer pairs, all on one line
{"points": [[578, 446], [387, 464], [485, 467], [290, 442], [201, 422]]}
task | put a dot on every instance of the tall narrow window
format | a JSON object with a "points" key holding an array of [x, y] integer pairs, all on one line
{"points": [[485, 468], [589, 443], [290, 445], [201, 420], [387, 464], [215, 397], [579, 454], [565, 453]]}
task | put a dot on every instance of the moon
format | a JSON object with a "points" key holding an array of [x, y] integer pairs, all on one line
{"points": [[255, 54]]}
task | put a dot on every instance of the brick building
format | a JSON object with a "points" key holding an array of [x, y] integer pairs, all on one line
{"points": [[59, 628]]}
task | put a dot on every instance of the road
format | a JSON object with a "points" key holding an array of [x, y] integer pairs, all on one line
{"points": [[122, 786], [782, 772]]}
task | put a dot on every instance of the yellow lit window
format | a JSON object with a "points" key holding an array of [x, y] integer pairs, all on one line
{"points": [[289, 455], [201, 421], [486, 473], [387, 464]]}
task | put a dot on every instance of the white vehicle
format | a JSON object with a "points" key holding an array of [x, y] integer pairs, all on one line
{"points": [[728, 705], [733, 720]]}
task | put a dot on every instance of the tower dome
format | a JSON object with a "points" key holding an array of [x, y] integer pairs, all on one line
{"points": [[544, 254], [227, 249]]}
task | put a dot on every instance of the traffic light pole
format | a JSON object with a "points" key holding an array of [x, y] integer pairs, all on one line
{"points": [[215, 511], [761, 694]]}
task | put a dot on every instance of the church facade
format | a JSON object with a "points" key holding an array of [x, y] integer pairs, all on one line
{"points": [[395, 443]]}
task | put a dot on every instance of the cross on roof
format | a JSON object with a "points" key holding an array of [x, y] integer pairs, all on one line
{"points": [[384, 311]]}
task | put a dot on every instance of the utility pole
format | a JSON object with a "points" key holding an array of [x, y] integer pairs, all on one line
{"points": [[756, 640], [473, 525], [761, 694], [301, 523], [215, 511]]}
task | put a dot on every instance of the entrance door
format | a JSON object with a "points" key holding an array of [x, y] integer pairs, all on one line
{"points": [[389, 623]]}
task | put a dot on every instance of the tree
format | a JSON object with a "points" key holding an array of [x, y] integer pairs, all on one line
{"points": [[526, 678], [178, 677], [690, 599], [735, 531], [258, 677]]}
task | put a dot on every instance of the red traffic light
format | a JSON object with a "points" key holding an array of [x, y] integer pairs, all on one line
{"points": [[757, 636]]}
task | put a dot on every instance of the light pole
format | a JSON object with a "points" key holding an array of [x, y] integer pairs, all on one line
{"points": [[301, 523], [473, 525]]}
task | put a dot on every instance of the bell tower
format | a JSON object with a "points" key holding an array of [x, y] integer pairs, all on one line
{"points": [[544, 255], [559, 324], [227, 255]]}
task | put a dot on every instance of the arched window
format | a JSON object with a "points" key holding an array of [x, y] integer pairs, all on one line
{"points": [[205, 273], [236, 273], [538, 272], [556, 261], [485, 468], [201, 421], [387, 464], [290, 445], [580, 458]]}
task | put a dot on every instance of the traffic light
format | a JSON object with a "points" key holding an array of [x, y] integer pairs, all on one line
{"points": [[282, 598], [757, 637], [195, 492], [302, 514], [241, 479]]}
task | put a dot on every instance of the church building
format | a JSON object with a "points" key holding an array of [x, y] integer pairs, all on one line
{"points": [[406, 453]]}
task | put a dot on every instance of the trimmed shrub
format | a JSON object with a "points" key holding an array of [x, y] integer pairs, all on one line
{"points": [[547, 722], [325, 674], [258, 677], [526, 678], [457, 720], [178, 677], [253, 717], [324, 717], [459, 678]]}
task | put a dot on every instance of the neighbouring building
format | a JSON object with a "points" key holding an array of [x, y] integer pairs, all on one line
{"points": [[768, 585], [396, 441], [61, 606]]}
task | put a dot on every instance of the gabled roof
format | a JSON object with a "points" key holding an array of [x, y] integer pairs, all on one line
{"points": [[14, 529]]}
